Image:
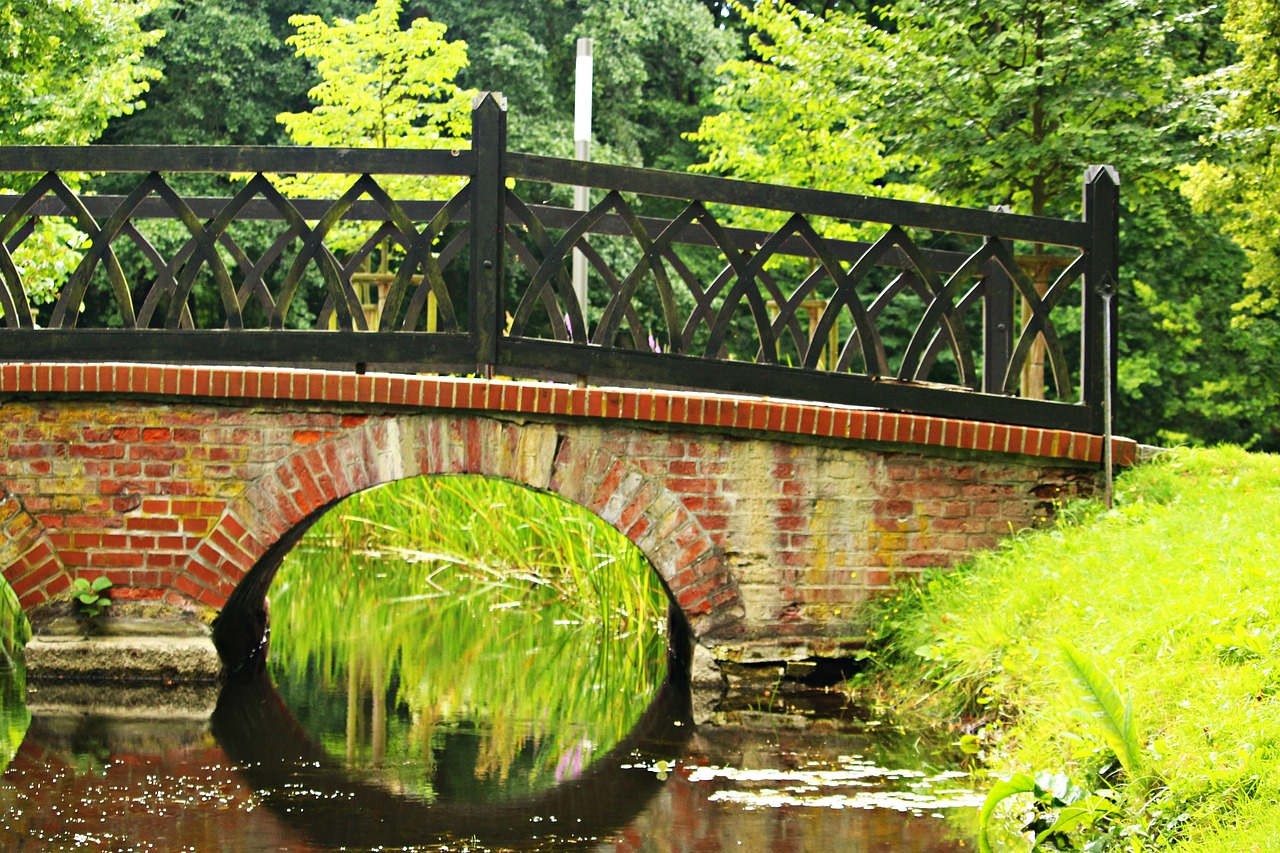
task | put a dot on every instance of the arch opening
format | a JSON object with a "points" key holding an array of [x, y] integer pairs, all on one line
{"points": [[504, 635]]}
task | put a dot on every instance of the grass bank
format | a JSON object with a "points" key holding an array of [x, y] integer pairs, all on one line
{"points": [[1121, 669]]}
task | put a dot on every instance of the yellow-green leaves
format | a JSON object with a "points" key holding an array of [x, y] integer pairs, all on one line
{"points": [[1103, 706], [67, 68], [381, 86]]}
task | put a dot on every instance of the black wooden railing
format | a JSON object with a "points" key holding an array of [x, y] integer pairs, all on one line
{"points": [[821, 296]]}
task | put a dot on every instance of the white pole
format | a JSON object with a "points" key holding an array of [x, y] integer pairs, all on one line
{"points": [[582, 151]]}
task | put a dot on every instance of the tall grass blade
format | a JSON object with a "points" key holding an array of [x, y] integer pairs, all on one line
{"points": [[1105, 706]]}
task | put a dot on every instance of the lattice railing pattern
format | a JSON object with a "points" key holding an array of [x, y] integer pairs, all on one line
{"points": [[840, 298]]}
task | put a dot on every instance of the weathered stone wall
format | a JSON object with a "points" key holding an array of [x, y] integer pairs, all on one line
{"points": [[764, 537]]}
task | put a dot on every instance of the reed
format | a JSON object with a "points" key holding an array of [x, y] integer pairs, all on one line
{"points": [[15, 630]]}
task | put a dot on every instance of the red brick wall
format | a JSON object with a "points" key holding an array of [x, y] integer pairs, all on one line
{"points": [[766, 520]]}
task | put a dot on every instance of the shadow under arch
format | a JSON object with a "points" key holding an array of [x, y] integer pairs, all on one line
{"points": [[255, 727]]}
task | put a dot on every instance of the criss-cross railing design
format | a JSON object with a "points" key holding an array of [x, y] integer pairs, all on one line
{"points": [[459, 261]]}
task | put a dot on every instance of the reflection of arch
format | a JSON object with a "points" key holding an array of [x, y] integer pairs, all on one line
{"points": [[239, 559], [254, 726]]}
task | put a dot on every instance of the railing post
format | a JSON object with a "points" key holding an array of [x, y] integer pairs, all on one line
{"points": [[488, 207], [997, 328], [1102, 273]]}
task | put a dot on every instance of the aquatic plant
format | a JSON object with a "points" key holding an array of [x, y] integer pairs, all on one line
{"points": [[15, 630]]}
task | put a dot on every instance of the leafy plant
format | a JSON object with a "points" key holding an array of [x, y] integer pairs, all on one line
{"points": [[91, 596], [1104, 706], [1059, 806]]}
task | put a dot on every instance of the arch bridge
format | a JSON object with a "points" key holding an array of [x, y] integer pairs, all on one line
{"points": [[785, 398]]}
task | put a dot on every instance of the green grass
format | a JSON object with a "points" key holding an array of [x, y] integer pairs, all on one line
{"points": [[15, 630], [1170, 606]]}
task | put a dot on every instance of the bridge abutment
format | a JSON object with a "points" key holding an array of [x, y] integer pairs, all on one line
{"points": [[770, 523]]}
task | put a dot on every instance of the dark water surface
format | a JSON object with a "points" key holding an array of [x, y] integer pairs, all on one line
{"points": [[251, 776]]}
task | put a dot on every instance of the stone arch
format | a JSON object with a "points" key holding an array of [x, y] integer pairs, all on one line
{"points": [[234, 566]]}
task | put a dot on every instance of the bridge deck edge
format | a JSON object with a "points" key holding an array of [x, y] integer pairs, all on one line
{"points": [[693, 409]]}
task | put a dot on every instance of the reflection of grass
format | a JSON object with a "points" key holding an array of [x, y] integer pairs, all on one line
{"points": [[482, 601], [14, 716], [14, 628]]}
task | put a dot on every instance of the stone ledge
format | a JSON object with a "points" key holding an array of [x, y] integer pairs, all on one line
{"points": [[131, 659], [155, 702]]}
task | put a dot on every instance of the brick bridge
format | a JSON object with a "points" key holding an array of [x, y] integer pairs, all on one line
{"points": [[768, 521]]}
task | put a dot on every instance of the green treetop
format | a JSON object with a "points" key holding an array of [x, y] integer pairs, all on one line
{"points": [[67, 68], [381, 86], [1242, 180]]}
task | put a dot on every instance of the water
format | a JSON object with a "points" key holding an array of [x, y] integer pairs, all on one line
{"points": [[259, 775]]}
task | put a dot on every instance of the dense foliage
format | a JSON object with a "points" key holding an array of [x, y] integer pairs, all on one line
{"points": [[1006, 103], [68, 68]]}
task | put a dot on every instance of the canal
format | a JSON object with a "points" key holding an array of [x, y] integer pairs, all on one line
{"points": [[459, 664]]}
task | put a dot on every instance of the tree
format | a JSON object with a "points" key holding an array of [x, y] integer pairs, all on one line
{"points": [[803, 109], [67, 69], [654, 66], [381, 86], [1008, 102], [218, 90], [993, 103], [1188, 374], [1242, 178]]}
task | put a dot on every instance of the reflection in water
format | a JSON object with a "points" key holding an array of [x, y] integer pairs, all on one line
{"points": [[430, 700], [295, 777], [252, 779]]}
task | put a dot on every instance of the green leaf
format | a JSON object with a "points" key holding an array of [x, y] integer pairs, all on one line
{"points": [[100, 583], [1018, 783], [1084, 813], [87, 598], [1105, 706]]}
